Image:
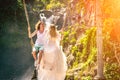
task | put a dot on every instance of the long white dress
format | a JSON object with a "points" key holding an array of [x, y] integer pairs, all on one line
{"points": [[53, 63]]}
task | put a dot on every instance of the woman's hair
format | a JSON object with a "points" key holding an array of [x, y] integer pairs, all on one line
{"points": [[37, 26], [53, 32]]}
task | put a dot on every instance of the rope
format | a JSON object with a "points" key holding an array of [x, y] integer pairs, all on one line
{"points": [[27, 18]]}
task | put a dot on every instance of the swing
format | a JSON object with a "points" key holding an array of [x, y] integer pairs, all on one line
{"points": [[27, 18], [31, 40]]}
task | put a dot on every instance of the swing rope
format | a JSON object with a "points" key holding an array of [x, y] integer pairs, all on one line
{"points": [[27, 18]]}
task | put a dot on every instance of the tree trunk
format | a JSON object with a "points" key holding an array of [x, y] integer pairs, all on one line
{"points": [[99, 41]]}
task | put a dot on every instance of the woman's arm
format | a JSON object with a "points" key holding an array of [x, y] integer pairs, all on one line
{"points": [[59, 36], [31, 34]]}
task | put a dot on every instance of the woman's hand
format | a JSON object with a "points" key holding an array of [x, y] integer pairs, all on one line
{"points": [[29, 29], [37, 24], [29, 33]]}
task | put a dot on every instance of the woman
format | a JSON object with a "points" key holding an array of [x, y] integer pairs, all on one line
{"points": [[53, 63], [39, 43]]}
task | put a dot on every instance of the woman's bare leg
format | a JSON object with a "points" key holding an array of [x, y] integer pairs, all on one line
{"points": [[34, 55], [40, 56]]}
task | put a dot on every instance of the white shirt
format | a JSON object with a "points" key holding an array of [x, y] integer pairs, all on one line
{"points": [[40, 38]]}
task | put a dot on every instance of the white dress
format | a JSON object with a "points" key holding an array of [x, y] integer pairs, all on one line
{"points": [[53, 63]]}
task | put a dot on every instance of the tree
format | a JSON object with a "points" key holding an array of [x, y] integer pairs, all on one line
{"points": [[99, 41]]}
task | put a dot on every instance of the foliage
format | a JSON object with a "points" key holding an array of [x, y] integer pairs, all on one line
{"points": [[79, 6], [54, 4], [84, 55], [87, 78], [112, 71], [83, 50], [80, 51], [38, 5], [10, 9], [110, 38]]}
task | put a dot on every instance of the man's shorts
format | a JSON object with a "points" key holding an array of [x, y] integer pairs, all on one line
{"points": [[38, 48]]}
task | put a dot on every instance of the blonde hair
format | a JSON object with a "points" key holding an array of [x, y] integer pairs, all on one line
{"points": [[53, 32]]}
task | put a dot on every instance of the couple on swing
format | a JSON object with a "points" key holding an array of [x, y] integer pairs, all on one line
{"points": [[50, 61]]}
